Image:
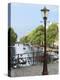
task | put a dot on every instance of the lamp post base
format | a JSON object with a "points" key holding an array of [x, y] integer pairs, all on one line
{"points": [[44, 73], [45, 69]]}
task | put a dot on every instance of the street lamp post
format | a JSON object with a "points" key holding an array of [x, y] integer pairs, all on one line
{"points": [[45, 70]]}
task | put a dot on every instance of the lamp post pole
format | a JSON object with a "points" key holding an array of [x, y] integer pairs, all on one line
{"points": [[45, 70]]}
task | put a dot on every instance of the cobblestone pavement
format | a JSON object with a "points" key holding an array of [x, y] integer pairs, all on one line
{"points": [[35, 70]]}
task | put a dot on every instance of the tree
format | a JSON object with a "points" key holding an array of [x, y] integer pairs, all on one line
{"points": [[52, 34], [36, 36], [24, 39], [12, 36]]}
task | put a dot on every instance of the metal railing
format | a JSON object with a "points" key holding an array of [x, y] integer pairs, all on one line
{"points": [[33, 58]]}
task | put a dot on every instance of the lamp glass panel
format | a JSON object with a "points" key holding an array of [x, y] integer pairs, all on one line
{"points": [[45, 14]]}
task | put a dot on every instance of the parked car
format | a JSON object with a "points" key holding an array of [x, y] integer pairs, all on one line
{"points": [[53, 56]]}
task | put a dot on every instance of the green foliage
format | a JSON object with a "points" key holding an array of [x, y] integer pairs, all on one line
{"points": [[34, 37], [12, 36], [24, 39], [52, 33], [37, 35]]}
